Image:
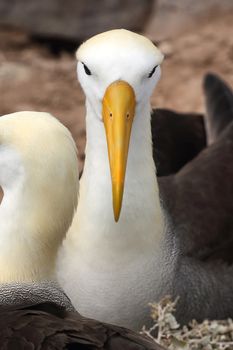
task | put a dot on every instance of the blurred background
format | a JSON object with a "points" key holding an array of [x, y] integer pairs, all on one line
{"points": [[38, 39]]}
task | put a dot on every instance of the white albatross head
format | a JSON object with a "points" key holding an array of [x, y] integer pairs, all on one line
{"points": [[118, 71], [39, 178]]}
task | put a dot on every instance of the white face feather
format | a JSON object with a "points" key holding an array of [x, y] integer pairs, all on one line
{"points": [[118, 55]]}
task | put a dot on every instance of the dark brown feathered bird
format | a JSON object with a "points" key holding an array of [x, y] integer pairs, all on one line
{"points": [[198, 202]]}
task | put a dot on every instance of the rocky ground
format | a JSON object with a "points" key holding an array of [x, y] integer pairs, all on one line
{"points": [[32, 78]]}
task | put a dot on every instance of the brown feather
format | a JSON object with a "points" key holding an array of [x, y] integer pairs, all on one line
{"points": [[48, 326], [177, 139], [219, 105]]}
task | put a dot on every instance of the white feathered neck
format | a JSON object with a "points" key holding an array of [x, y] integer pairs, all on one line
{"points": [[39, 178], [141, 222], [105, 266]]}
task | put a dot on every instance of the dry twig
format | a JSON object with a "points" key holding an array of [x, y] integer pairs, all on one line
{"points": [[208, 335]]}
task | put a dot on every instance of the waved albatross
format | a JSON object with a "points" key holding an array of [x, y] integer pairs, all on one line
{"points": [[119, 255], [39, 179]]}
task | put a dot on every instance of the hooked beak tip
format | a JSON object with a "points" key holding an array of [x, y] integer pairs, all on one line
{"points": [[118, 190], [116, 217]]}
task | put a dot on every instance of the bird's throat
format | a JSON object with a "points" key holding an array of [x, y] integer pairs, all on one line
{"points": [[109, 260], [141, 217]]}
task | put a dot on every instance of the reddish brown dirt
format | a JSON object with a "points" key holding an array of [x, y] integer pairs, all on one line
{"points": [[33, 79]]}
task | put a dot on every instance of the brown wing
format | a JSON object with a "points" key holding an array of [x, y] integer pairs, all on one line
{"points": [[177, 139], [198, 199], [48, 326]]}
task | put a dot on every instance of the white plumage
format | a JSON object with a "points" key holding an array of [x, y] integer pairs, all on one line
{"points": [[39, 178]]}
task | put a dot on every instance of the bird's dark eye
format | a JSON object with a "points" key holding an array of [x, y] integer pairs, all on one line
{"points": [[87, 70], [152, 72]]}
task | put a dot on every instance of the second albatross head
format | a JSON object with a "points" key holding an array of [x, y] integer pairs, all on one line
{"points": [[118, 71]]}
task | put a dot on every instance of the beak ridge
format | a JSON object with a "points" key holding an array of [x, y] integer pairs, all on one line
{"points": [[118, 114]]}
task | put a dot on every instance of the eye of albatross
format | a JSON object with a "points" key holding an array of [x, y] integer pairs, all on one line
{"points": [[87, 70], [152, 72]]}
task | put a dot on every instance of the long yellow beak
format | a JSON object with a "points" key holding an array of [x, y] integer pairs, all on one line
{"points": [[118, 113]]}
